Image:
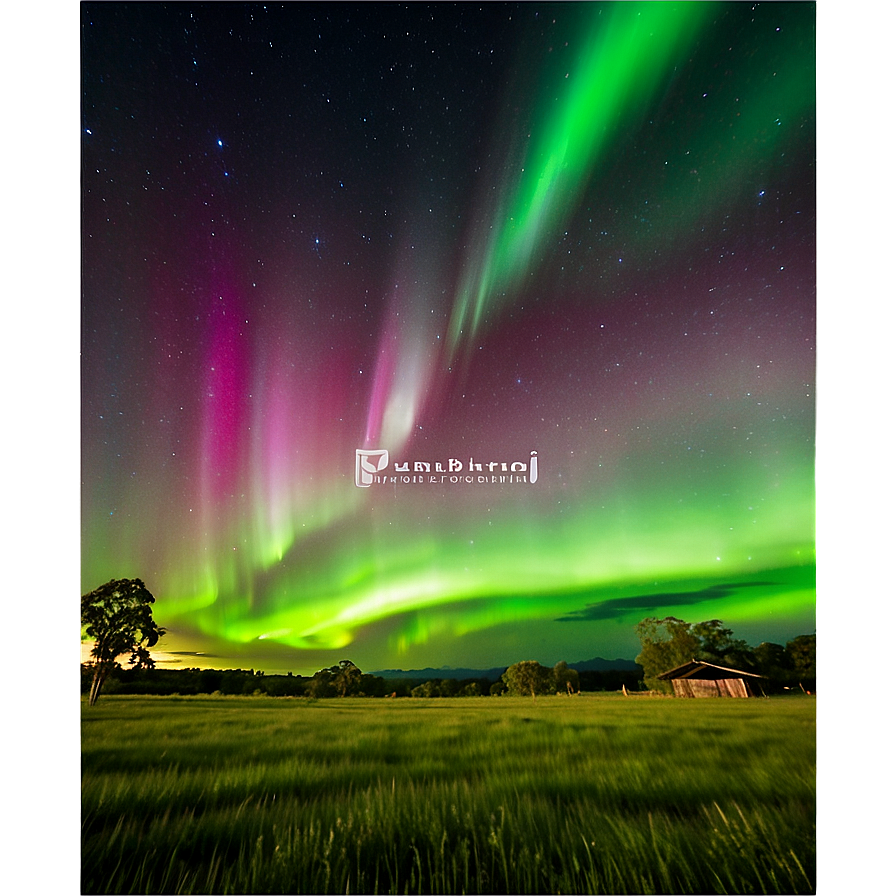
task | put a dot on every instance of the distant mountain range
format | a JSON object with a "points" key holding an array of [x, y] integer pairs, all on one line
{"points": [[597, 664]]}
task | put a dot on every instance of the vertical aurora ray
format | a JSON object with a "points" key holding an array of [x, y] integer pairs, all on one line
{"points": [[404, 371], [408, 354], [277, 452], [224, 554], [225, 382]]}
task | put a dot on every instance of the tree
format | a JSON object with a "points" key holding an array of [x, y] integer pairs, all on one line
{"points": [[528, 677], [773, 663], [670, 642], [371, 685], [322, 684], [801, 651], [566, 680], [665, 644], [426, 689], [118, 616], [341, 680], [348, 678], [718, 645]]}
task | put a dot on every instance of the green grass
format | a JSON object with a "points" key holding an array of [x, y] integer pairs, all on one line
{"points": [[592, 794]]}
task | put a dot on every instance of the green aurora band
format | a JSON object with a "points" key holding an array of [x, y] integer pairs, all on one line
{"points": [[627, 51]]}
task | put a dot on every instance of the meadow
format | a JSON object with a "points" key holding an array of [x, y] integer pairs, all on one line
{"points": [[586, 794]]}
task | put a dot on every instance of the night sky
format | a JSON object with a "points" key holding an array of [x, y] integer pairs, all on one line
{"points": [[460, 233]]}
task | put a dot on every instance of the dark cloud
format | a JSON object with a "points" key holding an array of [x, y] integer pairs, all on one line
{"points": [[621, 606]]}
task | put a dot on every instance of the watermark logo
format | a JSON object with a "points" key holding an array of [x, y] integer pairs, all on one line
{"points": [[368, 464], [372, 468]]}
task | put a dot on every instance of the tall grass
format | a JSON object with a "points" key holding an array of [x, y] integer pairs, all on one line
{"points": [[492, 795]]}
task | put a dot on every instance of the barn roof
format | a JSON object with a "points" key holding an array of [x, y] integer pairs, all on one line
{"points": [[699, 669]]}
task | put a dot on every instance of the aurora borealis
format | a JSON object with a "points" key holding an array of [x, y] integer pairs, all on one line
{"points": [[454, 232]]}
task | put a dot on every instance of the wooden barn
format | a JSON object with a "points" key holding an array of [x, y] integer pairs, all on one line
{"points": [[699, 679]]}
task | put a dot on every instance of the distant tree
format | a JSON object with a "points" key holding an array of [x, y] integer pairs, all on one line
{"points": [[426, 689], [118, 616], [210, 680], [670, 642], [341, 680], [497, 688], [348, 678], [566, 680], [773, 664], [233, 681], [371, 685], [528, 677], [801, 651], [665, 644], [398, 687], [322, 684], [718, 645], [610, 679], [253, 684]]}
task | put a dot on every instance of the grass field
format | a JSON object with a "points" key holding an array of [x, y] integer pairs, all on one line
{"points": [[590, 794]]}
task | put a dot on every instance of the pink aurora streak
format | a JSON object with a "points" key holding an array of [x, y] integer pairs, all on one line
{"points": [[226, 380]]}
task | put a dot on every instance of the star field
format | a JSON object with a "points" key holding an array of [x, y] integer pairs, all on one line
{"points": [[450, 231]]}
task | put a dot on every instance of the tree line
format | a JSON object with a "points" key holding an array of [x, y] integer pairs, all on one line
{"points": [[669, 643], [335, 681], [118, 616]]}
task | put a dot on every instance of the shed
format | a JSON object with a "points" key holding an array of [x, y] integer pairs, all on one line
{"points": [[699, 679]]}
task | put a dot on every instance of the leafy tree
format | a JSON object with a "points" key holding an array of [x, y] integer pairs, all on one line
{"points": [[118, 616], [774, 664], [718, 645], [322, 685], [528, 677], [341, 680], [566, 680], [801, 651], [665, 644], [371, 685], [426, 689], [670, 642], [348, 678]]}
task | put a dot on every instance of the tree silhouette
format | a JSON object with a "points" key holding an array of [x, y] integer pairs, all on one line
{"points": [[718, 645], [348, 677], [118, 616], [342, 680]]}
